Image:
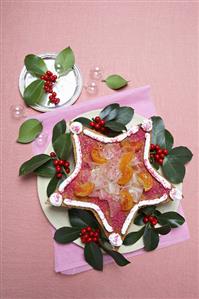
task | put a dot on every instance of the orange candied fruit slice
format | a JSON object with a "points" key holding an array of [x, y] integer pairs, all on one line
{"points": [[145, 179], [125, 160], [126, 145], [97, 157], [127, 173], [126, 200], [83, 190]]}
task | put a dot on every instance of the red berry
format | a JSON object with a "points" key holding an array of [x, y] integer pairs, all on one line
{"points": [[56, 162], [42, 77], [97, 119], [145, 219], [152, 147], [157, 147], [151, 218], [154, 221], [45, 77], [162, 156], [57, 100], [102, 122], [54, 94], [165, 151], [51, 98], [157, 157], [59, 175], [91, 124], [95, 234], [88, 229], [97, 126], [54, 78], [159, 152], [91, 234], [58, 168], [83, 230], [67, 170], [50, 90], [49, 73], [102, 129], [95, 239], [83, 239], [67, 164], [86, 236], [61, 162], [160, 161], [52, 154], [89, 240], [151, 155]]}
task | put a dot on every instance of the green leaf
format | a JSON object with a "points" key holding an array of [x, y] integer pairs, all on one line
{"points": [[63, 146], [59, 129], [133, 237], [46, 170], [139, 219], [82, 218], [118, 257], [124, 115], [180, 153], [158, 132], [155, 165], [112, 115], [34, 92], [115, 126], [172, 218], [65, 235], [35, 65], [115, 82], [168, 140], [84, 121], [150, 238], [32, 164], [64, 61], [52, 185], [29, 130], [173, 170], [106, 111], [148, 210], [93, 256], [163, 230]]}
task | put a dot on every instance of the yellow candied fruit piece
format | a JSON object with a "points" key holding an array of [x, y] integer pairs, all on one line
{"points": [[83, 190], [97, 157], [126, 200], [127, 173], [125, 160], [145, 179], [126, 145]]}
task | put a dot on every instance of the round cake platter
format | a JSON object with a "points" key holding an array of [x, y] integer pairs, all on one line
{"points": [[58, 216], [68, 87]]}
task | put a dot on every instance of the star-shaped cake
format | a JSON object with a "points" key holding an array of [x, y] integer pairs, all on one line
{"points": [[113, 178]]}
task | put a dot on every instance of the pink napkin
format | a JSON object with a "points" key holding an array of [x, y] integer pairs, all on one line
{"points": [[69, 258]]}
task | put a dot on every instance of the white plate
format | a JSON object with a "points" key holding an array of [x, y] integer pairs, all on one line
{"points": [[58, 217], [68, 87]]}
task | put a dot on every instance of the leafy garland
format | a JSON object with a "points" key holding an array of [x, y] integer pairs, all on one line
{"points": [[64, 63], [118, 117]]}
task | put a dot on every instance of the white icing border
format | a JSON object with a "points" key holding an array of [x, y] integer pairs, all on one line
{"points": [[77, 166], [147, 164], [92, 206]]}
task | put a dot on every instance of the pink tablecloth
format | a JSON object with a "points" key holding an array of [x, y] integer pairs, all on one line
{"points": [[69, 258]]}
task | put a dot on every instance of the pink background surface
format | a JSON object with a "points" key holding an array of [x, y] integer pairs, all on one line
{"points": [[149, 43]]}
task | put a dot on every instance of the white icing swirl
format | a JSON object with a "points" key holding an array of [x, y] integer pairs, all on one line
{"points": [[56, 199], [115, 239], [76, 127], [147, 125], [175, 194]]}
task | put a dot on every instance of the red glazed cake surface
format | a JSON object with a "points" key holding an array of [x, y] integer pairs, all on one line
{"points": [[114, 177]]}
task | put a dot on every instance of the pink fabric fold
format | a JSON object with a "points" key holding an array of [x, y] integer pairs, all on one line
{"points": [[69, 258]]}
